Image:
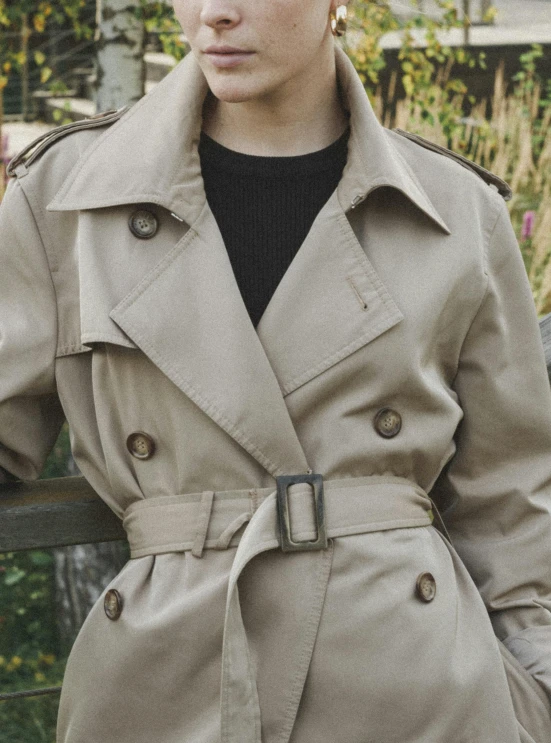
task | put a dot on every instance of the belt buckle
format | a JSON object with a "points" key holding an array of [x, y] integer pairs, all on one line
{"points": [[287, 543]]}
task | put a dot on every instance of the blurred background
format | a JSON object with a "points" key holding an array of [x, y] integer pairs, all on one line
{"points": [[472, 75]]}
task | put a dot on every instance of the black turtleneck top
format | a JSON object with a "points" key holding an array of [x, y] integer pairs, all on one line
{"points": [[264, 207]]}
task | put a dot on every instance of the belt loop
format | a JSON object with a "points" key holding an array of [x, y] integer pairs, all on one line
{"points": [[207, 497], [254, 500], [223, 541]]}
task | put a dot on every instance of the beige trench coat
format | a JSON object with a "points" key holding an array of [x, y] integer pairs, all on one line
{"points": [[408, 295]]}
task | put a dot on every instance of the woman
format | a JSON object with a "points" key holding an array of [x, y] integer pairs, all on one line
{"points": [[398, 355]]}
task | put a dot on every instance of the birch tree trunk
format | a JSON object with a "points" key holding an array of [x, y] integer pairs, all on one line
{"points": [[120, 66], [466, 22], [81, 574]]}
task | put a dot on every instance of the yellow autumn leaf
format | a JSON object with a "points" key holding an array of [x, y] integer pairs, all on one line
{"points": [[39, 58], [39, 23], [45, 74], [14, 663], [3, 82]]}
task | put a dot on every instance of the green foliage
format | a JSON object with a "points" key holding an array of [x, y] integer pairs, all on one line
{"points": [[159, 18], [26, 615], [31, 720], [426, 62], [29, 645], [56, 464], [20, 18], [528, 74], [29, 655], [61, 116]]}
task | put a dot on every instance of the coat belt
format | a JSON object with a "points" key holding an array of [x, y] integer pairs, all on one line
{"points": [[211, 520]]}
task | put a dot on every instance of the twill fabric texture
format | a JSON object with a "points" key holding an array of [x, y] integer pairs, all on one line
{"points": [[399, 357]]}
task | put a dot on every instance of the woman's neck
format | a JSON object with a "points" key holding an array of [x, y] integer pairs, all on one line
{"points": [[305, 117]]}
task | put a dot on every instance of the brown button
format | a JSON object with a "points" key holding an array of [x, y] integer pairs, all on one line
{"points": [[387, 423], [113, 604], [140, 445], [426, 587], [143, 224]]}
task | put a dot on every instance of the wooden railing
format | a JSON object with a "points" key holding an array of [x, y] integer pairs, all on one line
{"points": [[54, 513]]}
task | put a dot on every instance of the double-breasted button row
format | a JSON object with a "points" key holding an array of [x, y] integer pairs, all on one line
{"points": [[140, 445], [387, 423], [143, 224], [112, 604]]}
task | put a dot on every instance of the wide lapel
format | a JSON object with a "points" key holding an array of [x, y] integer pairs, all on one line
{"points": [[328, 304], [331, 301], [186, 313], [189, 318]]}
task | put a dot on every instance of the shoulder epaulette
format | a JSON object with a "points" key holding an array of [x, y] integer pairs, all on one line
{"points": [[491, 178], [33, 150]]}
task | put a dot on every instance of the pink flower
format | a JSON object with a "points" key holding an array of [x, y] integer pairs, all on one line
{"points": [[527, 225]]}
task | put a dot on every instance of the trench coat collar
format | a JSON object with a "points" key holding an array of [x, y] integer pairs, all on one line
{"points": [[151, 154]]}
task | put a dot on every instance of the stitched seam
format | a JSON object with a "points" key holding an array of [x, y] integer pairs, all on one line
{"points": [[71, 350], [112, 336], [152, 197], [361, 300], [70, 179], [312, 627], [329, 361], [239, 567], [44, 143], [455, 156]]}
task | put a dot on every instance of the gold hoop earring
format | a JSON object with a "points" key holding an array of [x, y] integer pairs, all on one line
{"points": [[339, 19]]}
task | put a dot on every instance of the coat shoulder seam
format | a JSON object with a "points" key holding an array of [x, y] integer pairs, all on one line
{"points": [[491, 179], [20, 163]]}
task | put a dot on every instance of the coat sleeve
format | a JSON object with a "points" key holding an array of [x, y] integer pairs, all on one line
{"points": [[499, 480], [30, 412]]}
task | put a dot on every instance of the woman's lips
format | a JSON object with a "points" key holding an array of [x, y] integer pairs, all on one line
{"points": [[228, 59]]}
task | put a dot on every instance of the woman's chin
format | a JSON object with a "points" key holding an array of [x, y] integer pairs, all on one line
{"points": [[233, 91], [235, 85]]}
